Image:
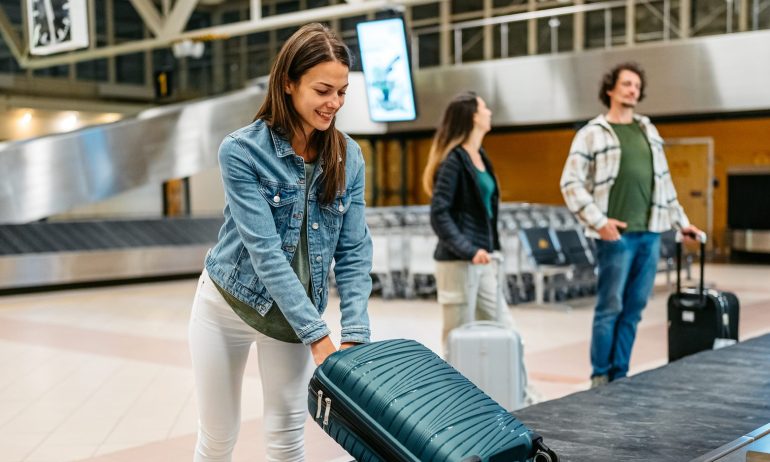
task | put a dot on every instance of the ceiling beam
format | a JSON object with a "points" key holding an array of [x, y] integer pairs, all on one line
{"points": [[325, 13], [178, 17], [149, 14]]}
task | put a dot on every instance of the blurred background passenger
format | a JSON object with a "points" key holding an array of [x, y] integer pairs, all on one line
{"points": [[463, 213], [617, 183]]}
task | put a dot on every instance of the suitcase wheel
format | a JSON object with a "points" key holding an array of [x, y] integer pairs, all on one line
{"points": [[544, 453]]}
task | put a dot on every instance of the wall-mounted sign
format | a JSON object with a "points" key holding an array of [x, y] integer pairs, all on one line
{"points": [[56, 25]]}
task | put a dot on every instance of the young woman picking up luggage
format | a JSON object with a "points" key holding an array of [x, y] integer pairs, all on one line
{"points": [[294, 201]]}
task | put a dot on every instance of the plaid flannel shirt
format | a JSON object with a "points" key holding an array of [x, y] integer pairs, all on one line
{"points": [[592, 167]]}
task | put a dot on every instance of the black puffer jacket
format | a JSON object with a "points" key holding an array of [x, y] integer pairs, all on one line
{"points": [[457, 214]]}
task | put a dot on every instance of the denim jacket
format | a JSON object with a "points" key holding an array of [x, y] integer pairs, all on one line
{"points": [[264, 182]]}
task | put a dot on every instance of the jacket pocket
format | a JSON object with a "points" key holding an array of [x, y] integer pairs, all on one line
{"points": [[333, 213], [282, 200]]}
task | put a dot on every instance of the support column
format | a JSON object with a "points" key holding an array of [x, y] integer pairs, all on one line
{"points": [[489, 49], [109, 13], [444, 16], [579, 28], [743, 16], [685, 14], [630, 22], [218, 84], [532, 29]]}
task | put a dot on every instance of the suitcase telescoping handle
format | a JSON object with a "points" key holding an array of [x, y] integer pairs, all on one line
{"points": [[701, 237], [473, 287]]}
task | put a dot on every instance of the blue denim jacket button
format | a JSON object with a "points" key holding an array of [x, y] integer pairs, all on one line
{"points": [[276, 199], [318, 259], [315, 225]]}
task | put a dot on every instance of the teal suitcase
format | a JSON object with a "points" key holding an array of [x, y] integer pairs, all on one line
{"points": [[397, 401]]}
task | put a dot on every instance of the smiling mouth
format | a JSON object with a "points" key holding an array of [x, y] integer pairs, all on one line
{"points": [[325, 115]]}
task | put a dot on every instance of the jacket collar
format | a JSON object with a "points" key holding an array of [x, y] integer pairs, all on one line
{"points": [[601, 120], [466, 159], [282, 146]]}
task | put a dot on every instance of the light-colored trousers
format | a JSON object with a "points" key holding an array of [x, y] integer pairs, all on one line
{"points": [[219, 345], [459, 283]]}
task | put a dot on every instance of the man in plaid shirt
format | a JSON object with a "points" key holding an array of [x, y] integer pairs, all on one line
{"points": [[616, 181]]}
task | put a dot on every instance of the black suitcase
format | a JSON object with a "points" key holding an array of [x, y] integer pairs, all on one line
{"points": [[699, 319]]}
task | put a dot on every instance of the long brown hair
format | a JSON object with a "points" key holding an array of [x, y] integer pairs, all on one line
{"points": [[455, 127], [311, 45]]}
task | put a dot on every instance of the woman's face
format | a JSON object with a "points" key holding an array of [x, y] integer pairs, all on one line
{"points": [[319, 94], [482, 119]]}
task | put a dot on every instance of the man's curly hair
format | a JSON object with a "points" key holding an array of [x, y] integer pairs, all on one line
{"points": [[611, 78]]}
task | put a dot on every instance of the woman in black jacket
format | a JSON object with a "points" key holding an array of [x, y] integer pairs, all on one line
{"points": [[463, 213]]}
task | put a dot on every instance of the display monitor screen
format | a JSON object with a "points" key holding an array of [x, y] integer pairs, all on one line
{"points": [[387, 71]]}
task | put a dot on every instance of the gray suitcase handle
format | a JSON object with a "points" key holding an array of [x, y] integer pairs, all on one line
{"points": [[473, 283]]}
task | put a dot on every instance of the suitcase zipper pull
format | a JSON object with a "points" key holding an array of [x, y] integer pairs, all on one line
{"points": [[328, 402], [320, 404]]}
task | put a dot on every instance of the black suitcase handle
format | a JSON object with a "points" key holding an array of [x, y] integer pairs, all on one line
{"points": [[701, 237]]}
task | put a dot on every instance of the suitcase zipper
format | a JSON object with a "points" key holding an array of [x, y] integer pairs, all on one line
{"points": [[328, 402], [319, 406], [351, 422]]}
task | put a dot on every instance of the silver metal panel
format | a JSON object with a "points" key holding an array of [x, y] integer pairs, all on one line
{"points": [[750, 240], [31, 270], [722, 451], [724, 73], [52, 174]]}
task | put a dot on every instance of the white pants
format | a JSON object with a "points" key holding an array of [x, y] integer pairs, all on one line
{"points": [[219, 346], [461, 284]]}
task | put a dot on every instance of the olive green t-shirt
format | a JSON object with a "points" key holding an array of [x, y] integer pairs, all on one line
{"points": [[631, 196], [274, 323], [487, 188]]}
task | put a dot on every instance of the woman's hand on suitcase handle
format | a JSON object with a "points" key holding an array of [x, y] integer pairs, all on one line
{"points": [[481, 258], [321, 349]]}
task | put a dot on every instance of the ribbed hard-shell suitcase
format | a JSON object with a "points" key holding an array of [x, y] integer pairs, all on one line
{"points": [[700, 319], [490, 354], [397, 401]]}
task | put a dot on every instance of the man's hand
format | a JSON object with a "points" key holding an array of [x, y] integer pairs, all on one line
{"points": [[481, 258], [321, 349], [611, 231], [690, 233]]}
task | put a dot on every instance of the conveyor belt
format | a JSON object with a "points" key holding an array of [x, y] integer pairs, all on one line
{"points": [[674, 413], [57, 253]]}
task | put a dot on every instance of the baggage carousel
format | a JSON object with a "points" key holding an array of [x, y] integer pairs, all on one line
{"points": [[704, 407], [50, 254]]}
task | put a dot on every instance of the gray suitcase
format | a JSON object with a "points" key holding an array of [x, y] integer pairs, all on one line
{"points": [[489, 353]]}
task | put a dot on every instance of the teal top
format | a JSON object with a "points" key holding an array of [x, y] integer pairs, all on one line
{"points": [[274, 324], [631, 195], [487, 187]]}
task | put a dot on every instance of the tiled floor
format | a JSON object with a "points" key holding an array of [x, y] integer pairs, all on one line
{"points": [[103, 374]]}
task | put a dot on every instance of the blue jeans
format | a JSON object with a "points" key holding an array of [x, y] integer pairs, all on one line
{"points": [[627, 270]]}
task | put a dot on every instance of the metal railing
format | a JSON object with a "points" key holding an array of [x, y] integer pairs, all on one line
{"points": [[659, 9]]}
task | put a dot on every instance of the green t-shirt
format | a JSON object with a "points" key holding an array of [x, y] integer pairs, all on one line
{"points": [[631, 195], [274, 324], [487, 188]]}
